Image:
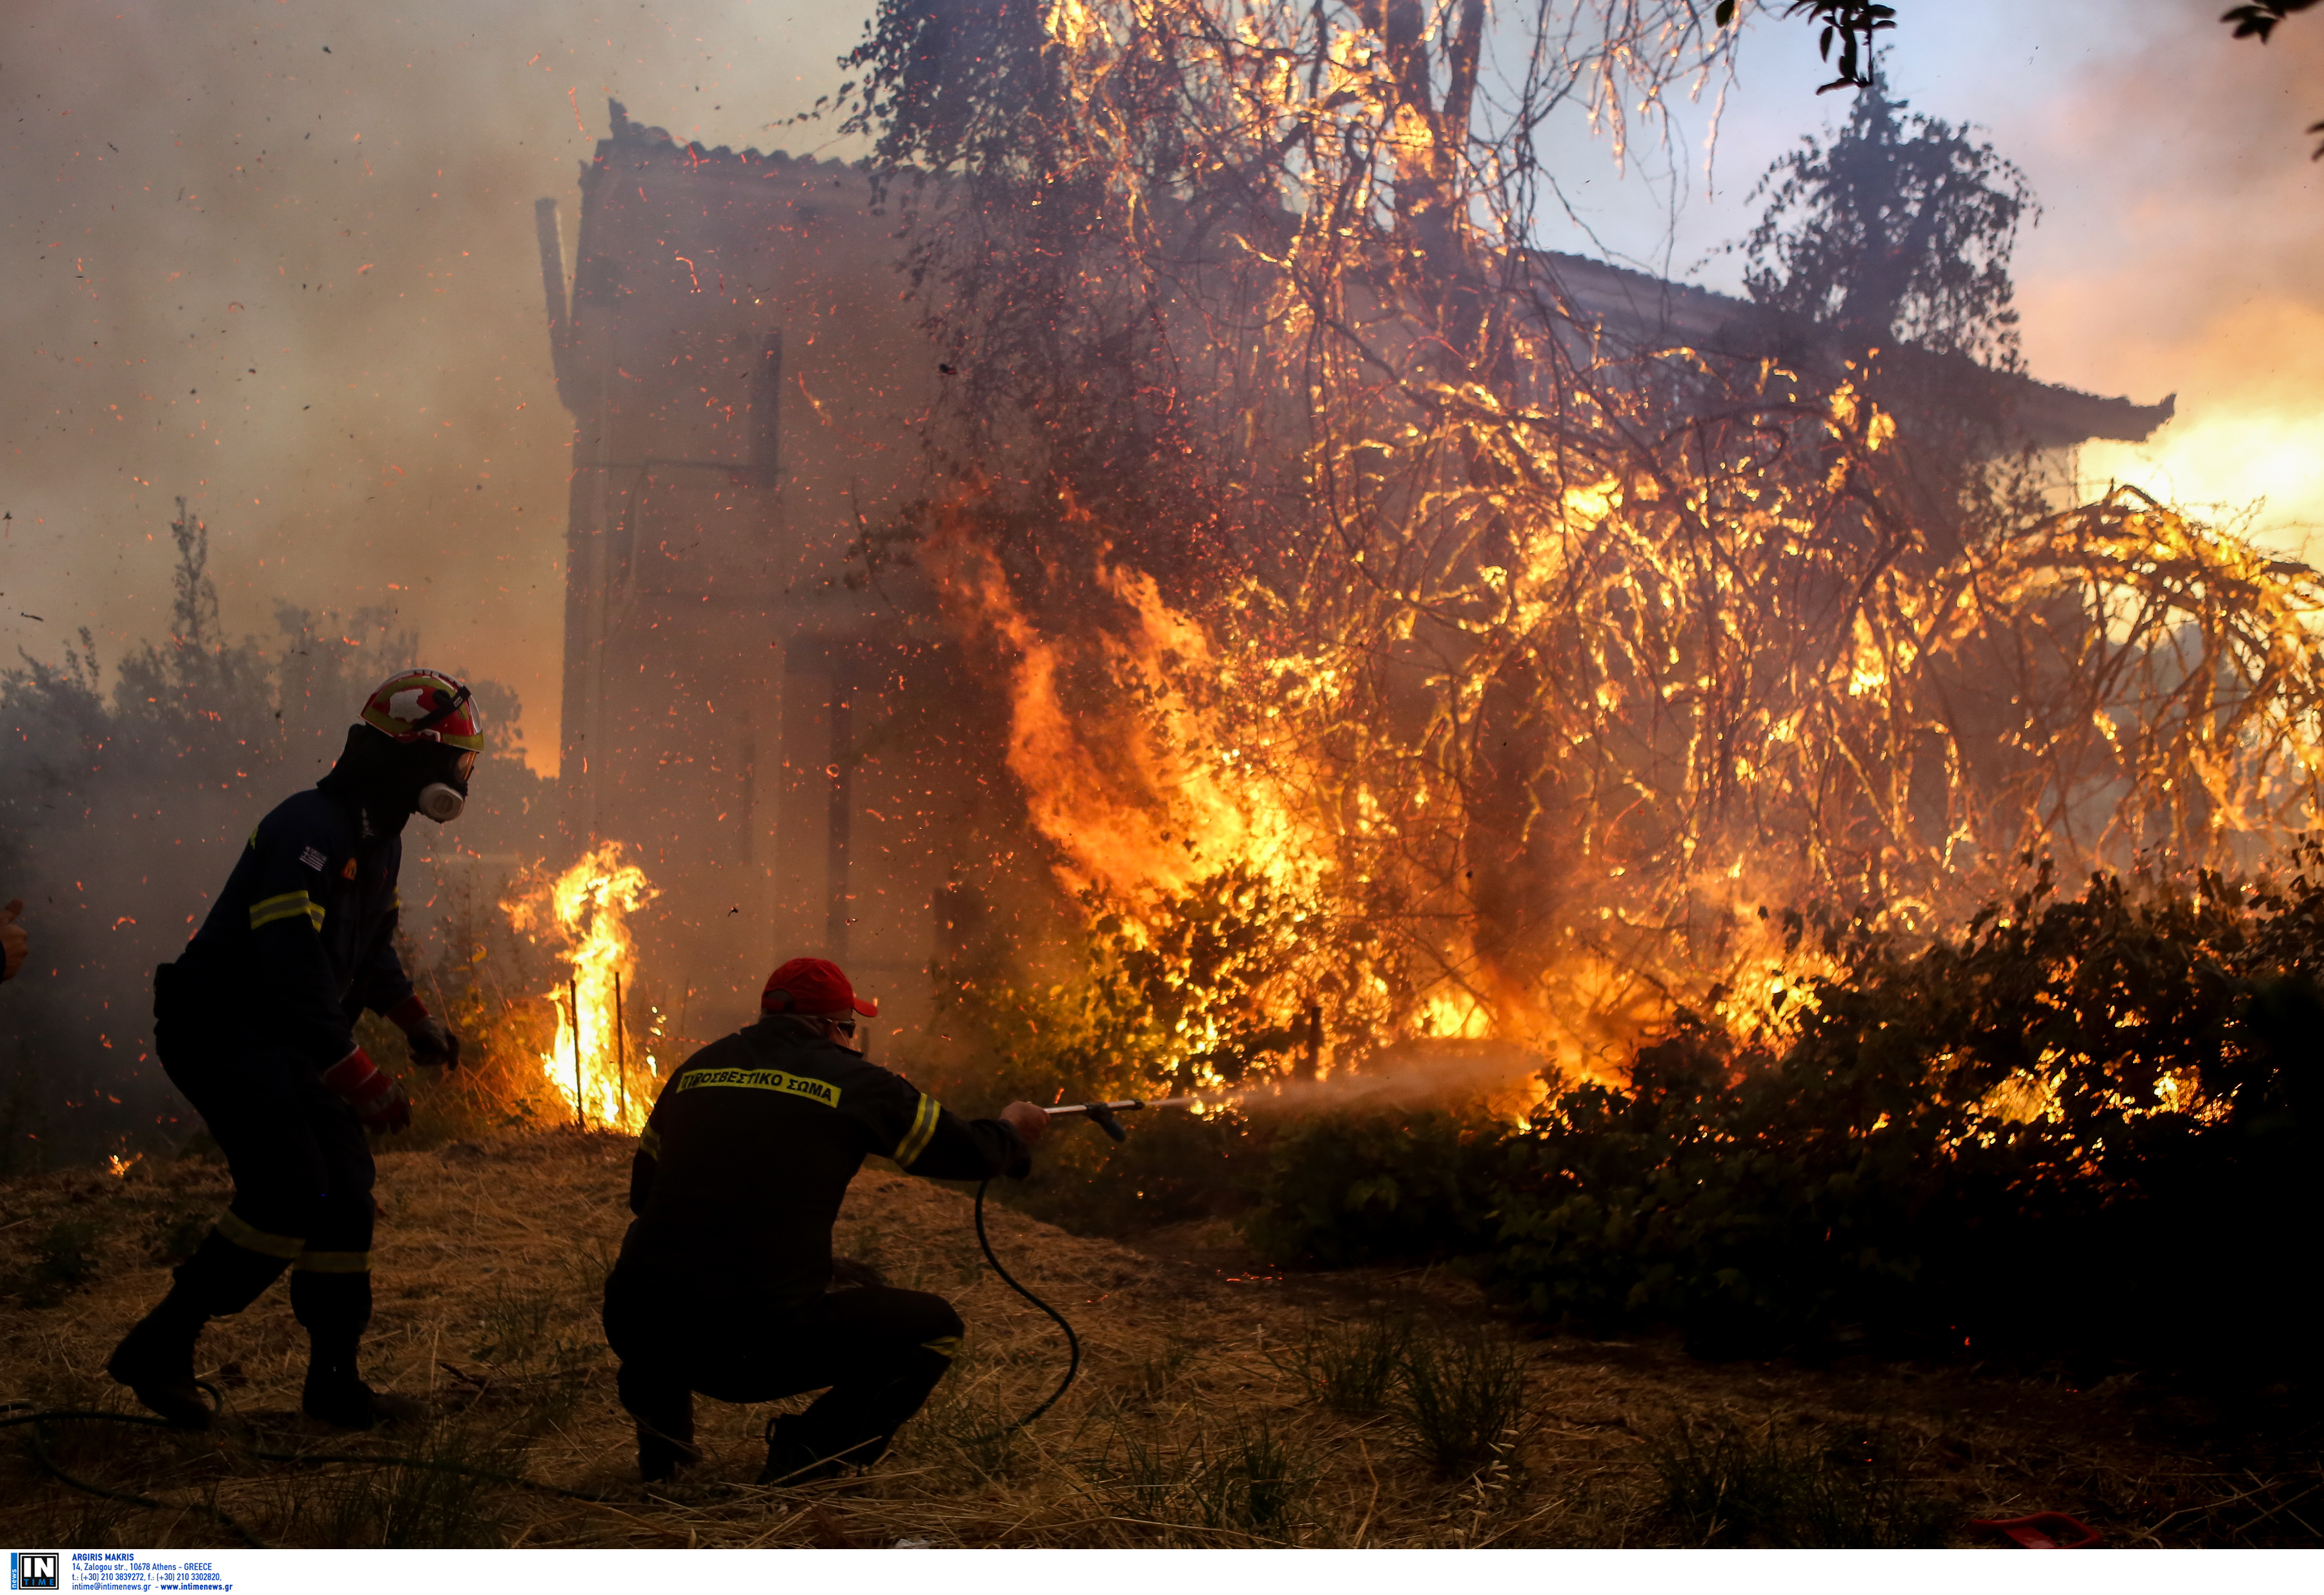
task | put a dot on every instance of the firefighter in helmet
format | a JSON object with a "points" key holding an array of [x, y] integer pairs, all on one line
{"points": [[255, 1024], [726, 1282]]}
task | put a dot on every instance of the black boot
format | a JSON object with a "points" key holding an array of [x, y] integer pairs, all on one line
{"points": [[336, 1394], [853, 1424], [666, 1448], [334, 1308], [665, 1417], [156, 1360], [795, 1458]]}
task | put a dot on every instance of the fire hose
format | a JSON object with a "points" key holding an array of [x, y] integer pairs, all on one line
{"points": [[1105, 1116]]}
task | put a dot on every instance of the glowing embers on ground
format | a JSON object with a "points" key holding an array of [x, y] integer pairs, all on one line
{"points": [[606, 1080]]}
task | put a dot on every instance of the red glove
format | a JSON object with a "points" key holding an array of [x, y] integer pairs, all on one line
{"points": [[378, 1101], [432, 1040]]}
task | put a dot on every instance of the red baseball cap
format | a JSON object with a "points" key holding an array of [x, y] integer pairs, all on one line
{"points": [[813, 986]]}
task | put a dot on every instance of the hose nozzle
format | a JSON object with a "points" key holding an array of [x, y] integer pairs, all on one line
{"points": [[1101, 1114]]}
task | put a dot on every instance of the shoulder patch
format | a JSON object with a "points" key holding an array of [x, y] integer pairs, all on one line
{"points": [[348, 873], [312, 858]]}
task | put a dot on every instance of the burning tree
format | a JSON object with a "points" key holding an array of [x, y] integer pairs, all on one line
{"points": [[1475, 666]]}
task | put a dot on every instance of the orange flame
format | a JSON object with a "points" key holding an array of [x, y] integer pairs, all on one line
{"points": [[1140, 801], [1182, 769], [591, 1065]]}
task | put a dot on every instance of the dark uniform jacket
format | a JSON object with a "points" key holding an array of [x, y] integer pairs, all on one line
{"points": [[740, 1172], [302, 939]]}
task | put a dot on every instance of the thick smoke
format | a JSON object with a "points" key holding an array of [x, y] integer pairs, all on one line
{"points": [[280, 261], [124, 796]]}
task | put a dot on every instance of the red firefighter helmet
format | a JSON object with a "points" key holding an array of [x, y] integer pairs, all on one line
{"points": [[423, 705]]}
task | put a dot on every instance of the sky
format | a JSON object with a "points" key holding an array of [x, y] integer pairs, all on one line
{"points": [[277, 256], [2182, 217]]}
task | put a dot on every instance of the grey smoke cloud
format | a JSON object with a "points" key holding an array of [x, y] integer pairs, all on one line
{"points": [[280, 258]]}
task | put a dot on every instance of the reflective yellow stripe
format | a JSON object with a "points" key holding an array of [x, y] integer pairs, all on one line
{"points": [[947, 1345], [251, 1238], [799, 1085], [288, 906], [924, 1128], [335, 1262], [649, 1141]]}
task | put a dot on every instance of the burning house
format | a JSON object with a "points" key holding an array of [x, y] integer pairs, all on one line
{"points": [[781, 736]]}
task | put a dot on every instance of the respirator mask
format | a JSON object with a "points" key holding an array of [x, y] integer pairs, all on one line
{"points": [[444, 798], [440, 801]]}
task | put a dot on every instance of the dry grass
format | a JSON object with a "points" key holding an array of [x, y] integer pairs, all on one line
{"points": [[1196, 1420]]}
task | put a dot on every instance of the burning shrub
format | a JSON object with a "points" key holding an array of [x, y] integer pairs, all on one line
{"points": [[2085, 1127], [1189, 1000], [479, 977]]}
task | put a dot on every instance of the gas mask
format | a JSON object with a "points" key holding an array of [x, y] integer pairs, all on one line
{"points": [[443, 801]]}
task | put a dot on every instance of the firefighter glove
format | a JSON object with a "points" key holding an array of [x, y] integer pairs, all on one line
{"points": [[433, 1042], [378, 1101]]}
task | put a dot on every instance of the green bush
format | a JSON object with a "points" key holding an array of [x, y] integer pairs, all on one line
{"points": [[64, 1259], [1463, 1392], [1174, 1166], [1724, 1487], [1352, 1368], [1349, 1189], [1242, 1477]]}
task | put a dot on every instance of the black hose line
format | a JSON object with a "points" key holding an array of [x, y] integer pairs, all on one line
{"points": [[1073, 1342], [35, 1422], [38, 1433], [429, 1464]]}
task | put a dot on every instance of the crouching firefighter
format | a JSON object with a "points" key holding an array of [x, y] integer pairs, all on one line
{"points": [[724, 1284], [255, 1023]]}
